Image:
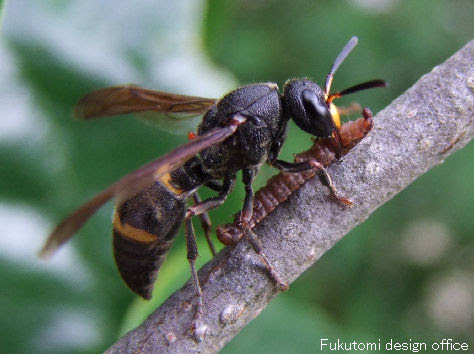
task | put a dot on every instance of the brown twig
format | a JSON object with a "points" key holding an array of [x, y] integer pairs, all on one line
{"points": [[417, 131]]}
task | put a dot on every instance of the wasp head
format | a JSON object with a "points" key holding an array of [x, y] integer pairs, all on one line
{"points": [[307, 104]]}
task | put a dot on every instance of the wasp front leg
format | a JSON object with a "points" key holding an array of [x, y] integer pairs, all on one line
{"points": [[248, 176], [198, 209], [327, 181], [312, 164]]}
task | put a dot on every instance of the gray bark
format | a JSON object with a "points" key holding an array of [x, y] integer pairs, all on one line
{"points": [[416, 132]]}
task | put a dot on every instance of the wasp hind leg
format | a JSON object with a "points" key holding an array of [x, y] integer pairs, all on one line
{"points": [[198, 327], [204, 218], [206, 224], [245, 217]]}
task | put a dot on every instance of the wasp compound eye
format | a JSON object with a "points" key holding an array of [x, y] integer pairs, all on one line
{"points": [[317, 115], [311, 103]]}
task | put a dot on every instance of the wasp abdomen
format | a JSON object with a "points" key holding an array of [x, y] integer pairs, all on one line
{"points": [[139, 262], [144, 228]]}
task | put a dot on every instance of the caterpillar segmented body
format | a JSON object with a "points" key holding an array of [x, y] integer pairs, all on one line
{"points": [[282, 185]]}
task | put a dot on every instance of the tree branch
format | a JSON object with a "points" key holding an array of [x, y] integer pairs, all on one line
{"points": [[415, 132]]}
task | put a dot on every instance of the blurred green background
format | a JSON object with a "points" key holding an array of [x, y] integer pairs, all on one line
{"points": [[405, 274]]}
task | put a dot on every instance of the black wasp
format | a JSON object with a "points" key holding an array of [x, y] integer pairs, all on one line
{"points": [[241, 131]]}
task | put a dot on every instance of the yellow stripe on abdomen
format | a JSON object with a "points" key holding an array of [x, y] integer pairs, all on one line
{"points": [[165, 181], [131, 232]]}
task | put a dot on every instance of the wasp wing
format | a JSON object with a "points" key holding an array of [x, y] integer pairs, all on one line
{"points": [[171, 112], [134, 182]]}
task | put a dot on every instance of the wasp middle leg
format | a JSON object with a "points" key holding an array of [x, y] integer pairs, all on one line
{"points": [[245, 219], [204, 218]]}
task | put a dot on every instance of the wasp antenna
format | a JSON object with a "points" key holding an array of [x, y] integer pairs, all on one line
{"points": [[340, 58], [364, 86], [356, 88]]}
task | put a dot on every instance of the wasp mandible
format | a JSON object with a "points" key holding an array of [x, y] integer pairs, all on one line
{"points": [[241, 131]]}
